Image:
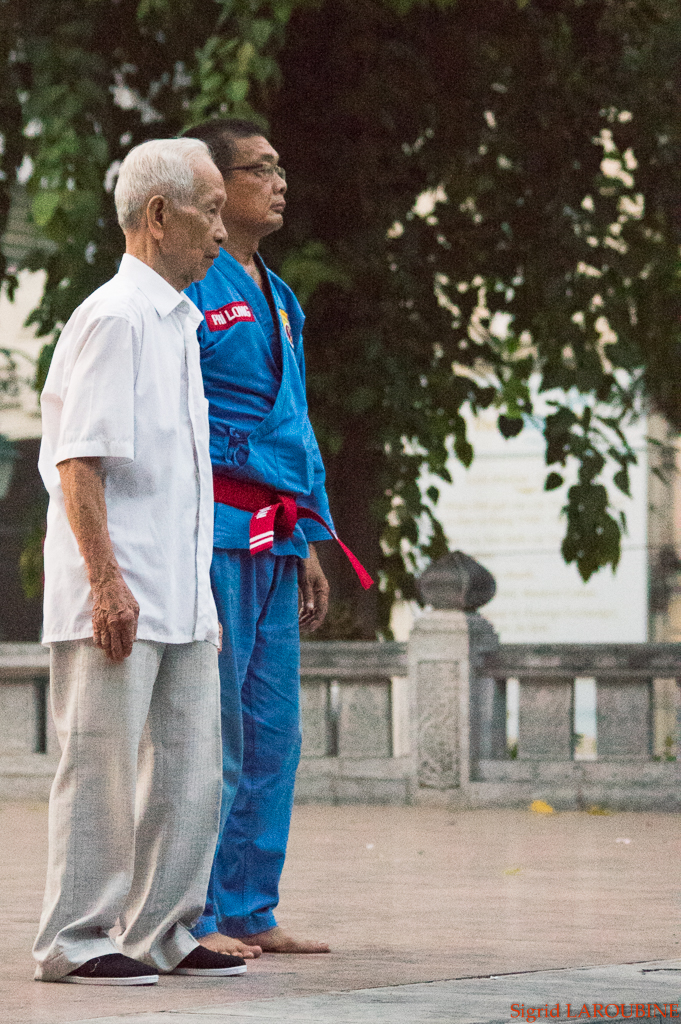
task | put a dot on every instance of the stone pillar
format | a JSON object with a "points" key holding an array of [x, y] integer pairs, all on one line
{"points": [[438, 668], [444, 647]]}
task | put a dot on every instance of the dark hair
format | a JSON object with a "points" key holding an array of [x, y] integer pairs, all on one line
{"points": [[220, 134]]}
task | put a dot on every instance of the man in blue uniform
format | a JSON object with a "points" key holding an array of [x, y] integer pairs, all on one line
{"points": [[265, 461]]}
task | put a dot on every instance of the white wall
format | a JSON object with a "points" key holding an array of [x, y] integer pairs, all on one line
{"points": [[498, 512]]}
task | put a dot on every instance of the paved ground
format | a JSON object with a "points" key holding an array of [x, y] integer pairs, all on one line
{"points": [[649, 990], [411, 899]]}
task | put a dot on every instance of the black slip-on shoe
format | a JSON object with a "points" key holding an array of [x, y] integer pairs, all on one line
{"points": [[112, 969], [204, 963]]}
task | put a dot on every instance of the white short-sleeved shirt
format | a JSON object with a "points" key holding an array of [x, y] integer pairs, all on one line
{"points": [[125, 385]]}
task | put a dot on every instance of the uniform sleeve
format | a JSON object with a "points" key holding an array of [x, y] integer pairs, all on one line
{"points": [[318, 499], [98, 415], [319, 503]]}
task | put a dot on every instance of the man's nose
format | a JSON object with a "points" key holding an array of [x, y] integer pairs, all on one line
{"points": [[220, 232], [280, 185]]}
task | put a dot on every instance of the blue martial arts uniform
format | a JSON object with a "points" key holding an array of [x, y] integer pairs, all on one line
{"points": [[254, 378]]}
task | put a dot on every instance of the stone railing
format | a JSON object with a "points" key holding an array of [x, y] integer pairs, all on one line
{"points": [[631, 763], [28, 746], [356, 746], [439, 733], [426, 722], [24, 678]]}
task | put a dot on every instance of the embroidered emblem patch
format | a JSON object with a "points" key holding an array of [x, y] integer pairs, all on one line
{"points": [[222, 318], [287, 326], [236, 446]]}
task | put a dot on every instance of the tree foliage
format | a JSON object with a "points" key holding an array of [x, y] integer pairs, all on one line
{"points": [[543, 256]]}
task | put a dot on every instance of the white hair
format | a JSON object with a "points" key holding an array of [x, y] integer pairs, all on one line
{"points": [[161, 167]]}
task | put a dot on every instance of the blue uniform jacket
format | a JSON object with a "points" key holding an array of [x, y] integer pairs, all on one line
{"points": [[254, 380]]}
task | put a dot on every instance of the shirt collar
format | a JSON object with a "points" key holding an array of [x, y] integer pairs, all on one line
{"points": [[160, 293]]}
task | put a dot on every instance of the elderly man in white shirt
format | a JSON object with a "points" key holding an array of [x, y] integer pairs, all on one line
{"points": [[129, 614]]}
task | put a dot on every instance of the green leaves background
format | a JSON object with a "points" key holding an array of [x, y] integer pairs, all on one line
{"points": [[548, 139]]}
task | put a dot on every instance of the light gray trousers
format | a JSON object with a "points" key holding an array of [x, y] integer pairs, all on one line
{"points": [[135, 804]]}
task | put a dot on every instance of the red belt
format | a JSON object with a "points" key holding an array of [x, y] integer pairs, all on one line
{"points": [[274, 515]]}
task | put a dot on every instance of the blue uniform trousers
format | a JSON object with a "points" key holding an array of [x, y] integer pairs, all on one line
{"points": [[257, 602]]}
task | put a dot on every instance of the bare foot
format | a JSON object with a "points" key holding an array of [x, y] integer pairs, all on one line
{"points": [[233, 947], [275, 940]]}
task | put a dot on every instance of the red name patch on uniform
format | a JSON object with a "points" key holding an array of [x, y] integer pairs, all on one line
{"points": [[222, 318]]}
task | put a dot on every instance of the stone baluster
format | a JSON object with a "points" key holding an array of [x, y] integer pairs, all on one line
{"points": [[624, 719], [22, 716], [487, 695], [545, 717], [314, 701], [365, 720]]}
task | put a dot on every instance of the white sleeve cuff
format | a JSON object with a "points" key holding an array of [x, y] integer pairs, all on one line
{"points": [[123, 450]]}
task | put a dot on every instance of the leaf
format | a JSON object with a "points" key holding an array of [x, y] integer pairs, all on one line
{"points": [[621, 480], [510, 426], [541, 807], [553, 480], [237, 89], [593, 536], [261, 32], [44, 206], [463, 450]]}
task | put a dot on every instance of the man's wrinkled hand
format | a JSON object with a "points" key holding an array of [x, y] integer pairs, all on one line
{"points": [[314, 592], [114, 618]]}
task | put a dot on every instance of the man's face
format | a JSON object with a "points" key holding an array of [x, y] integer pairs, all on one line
{"points": [[255, 199], [194, 233]]}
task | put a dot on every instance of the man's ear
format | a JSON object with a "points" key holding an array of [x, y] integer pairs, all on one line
{"points": [[157, 216]]}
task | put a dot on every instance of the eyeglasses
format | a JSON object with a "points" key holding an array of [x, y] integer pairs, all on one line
{"points": [[263, 171]]}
